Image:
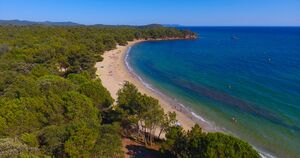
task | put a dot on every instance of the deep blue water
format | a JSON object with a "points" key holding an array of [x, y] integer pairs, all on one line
{"points": [[249, 73]]}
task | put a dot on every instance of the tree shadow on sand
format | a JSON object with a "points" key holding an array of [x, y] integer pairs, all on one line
{"points": [[136, 151]]}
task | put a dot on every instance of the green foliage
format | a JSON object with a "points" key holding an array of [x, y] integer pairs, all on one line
{"points": [[128, 98], [81, 141], [95, 90], [220, 145], [52, 140], [30, 139], [12, 147], [49, 97], [167, 122], [114, 114], [33, 61], [77, 106], [4, 48], [194, 143], [51, 104], [21, 115], [150, 115], [3, 125], [65, 50], [109, 142], [54, 109], [54, 84], [22, 87], [78, 79], [40, 70], [139, 110], [174, 135]]}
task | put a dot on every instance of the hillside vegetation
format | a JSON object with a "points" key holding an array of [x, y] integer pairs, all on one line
{"points": [[52, 104]]}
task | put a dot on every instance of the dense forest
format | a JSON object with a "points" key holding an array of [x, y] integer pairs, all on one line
{"points": [[53, 105]]}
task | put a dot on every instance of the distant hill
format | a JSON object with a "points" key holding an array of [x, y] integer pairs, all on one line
{"points": [[25, 22], [49, 23], [152, 26], [141, 26], [104, 25], [172, 25]]}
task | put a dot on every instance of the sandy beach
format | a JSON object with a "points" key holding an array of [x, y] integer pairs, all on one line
{"points": [[113, 72]]}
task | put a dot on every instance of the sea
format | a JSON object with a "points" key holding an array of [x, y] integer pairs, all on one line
{"points": [[244, 81]]}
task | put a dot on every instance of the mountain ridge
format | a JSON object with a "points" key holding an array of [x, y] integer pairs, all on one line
{"points": [[17, 22], [26, 22]]}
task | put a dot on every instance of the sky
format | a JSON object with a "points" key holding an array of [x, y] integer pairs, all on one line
{"points": [[140, 12]]}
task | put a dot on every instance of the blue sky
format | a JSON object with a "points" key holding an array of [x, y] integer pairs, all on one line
{"points": [[138, 12]]}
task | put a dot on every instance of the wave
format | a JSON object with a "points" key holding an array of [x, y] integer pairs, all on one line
{"points": [[126, 58], [264, 154], [148, 86], [187, 110], [198, 117], [174, 101]]}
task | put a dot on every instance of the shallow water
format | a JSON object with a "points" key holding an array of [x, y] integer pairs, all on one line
{"points": [[251, 74]]}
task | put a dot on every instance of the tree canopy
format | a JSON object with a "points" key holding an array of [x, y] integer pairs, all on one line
{"points": [[52, 104], [195, 143]]}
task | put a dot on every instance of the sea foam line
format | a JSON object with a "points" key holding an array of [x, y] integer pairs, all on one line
{"points": [[137, 76], [262, 153], [149, 86], [199, 117]]}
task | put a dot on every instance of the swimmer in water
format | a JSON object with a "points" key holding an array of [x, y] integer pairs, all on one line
{"points": [[234, 120]]}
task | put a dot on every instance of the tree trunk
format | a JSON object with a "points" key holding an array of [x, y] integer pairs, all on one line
{"points": [[145, 136], [150, 137], [161, 129], [138, 126]]}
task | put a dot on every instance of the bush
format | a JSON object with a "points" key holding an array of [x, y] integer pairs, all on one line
{"points": [[194, 143], [99, 94], [14, 148]]}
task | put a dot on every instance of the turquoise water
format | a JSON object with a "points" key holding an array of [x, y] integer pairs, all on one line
{"points": [[249, 73]]}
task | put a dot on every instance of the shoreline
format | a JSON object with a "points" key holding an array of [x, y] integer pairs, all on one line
{"points": [[114, 70]]}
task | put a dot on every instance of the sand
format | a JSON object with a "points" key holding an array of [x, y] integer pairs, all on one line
{"points": [[113, 72]]}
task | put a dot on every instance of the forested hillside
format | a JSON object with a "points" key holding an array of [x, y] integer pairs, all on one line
{"points": [[50, 100], [52, 104]]}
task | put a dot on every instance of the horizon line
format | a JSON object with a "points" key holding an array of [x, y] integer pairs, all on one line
{"points": [[170, 25]]}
